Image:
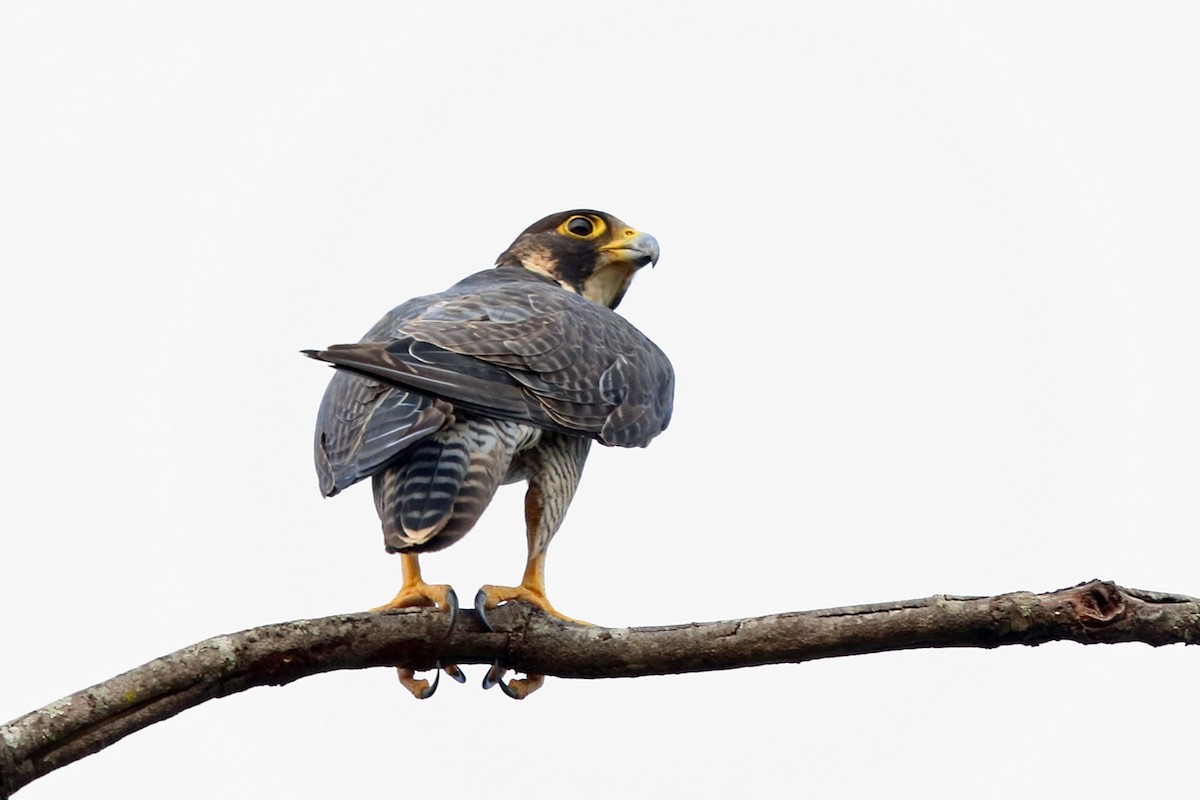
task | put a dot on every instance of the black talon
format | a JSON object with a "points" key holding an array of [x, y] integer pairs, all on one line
{"points": [[452, 607], [428, 691], [456, 673], [480, 602], [494, 675], [508, 690]]}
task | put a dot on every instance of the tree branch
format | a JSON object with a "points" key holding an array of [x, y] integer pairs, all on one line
{"points": [[90, 720]]}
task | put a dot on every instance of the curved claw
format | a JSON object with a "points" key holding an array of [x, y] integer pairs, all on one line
{"points": [[429, 690], [481, 610], [454, 672], [452, 607], [494, 675], [518, 688], [506, 687], [420, 688]]}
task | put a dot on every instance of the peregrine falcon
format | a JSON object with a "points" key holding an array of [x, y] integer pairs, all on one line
{"points": [[506, 376]]}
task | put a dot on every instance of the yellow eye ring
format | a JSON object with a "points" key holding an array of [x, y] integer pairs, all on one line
{"points": [[583, 226]]}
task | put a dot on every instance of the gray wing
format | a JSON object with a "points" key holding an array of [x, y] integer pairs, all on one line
{"points": [[505, 343], [574, 365], [362, 424]]}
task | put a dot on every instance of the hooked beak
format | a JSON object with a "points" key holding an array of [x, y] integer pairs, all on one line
{"points": [[636, 248]]}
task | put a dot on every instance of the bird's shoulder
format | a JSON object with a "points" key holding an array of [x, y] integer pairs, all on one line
{"points": [[498, 294]]}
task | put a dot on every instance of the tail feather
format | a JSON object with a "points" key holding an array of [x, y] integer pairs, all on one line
{"points": [[431, 499]]}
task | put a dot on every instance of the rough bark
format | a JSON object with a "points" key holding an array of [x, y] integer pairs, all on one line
{"points": [[530, 641]]}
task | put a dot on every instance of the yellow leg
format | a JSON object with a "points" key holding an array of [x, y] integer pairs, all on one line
{"points": [[416, 592], [532, 590]]}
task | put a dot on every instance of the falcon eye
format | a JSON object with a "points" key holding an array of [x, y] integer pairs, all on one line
{"points": [[580, 226], [583, 226]]}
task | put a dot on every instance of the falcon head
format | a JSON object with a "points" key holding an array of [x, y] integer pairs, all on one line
{"points": [[590, 253]]}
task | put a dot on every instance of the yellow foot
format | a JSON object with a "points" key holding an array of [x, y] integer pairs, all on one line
{"points": [[420, 593], [489, 597], [517, 688], [421, 688]]}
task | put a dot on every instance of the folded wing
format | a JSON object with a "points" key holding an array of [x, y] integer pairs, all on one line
{"points": [[504, 343]]}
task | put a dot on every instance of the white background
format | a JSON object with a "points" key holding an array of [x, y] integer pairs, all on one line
{"points": [[929, 282]]}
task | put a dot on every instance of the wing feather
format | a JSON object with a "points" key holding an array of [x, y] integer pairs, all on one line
{"points": [[506, 343]]}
